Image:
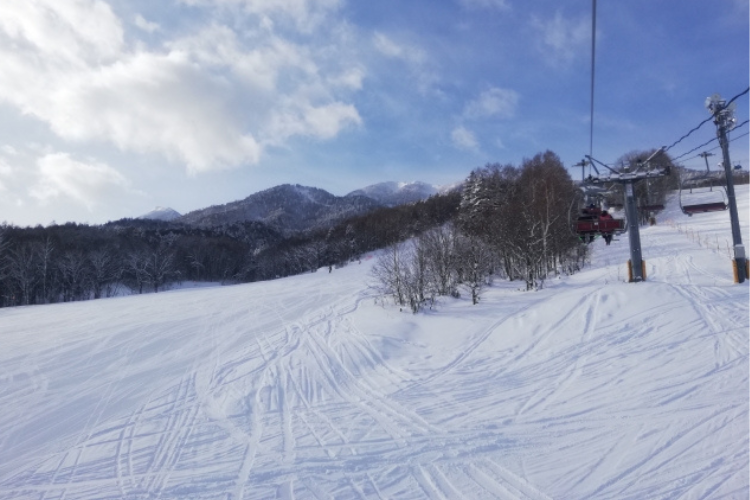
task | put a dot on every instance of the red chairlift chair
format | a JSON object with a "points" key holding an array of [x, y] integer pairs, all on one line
{"points": [[593, 221], [696, 198]]}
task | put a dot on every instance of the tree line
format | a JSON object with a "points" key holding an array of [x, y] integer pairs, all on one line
{"points": [[512, 223], [71, 262], [505, 222]]}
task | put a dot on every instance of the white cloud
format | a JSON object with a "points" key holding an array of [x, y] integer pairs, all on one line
{"points": [[145, 25], [305, 14], [5, 169], [417, 63], [463, 138], [351, 78], [88, 184], [322, 122], [6, 173], [495, 102], [390, 48], [209, 100], [158, 103], [485, 4], [561, 39], [73, 32]]}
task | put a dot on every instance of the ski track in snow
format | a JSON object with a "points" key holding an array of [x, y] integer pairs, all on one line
{"points": [[304, 388]]}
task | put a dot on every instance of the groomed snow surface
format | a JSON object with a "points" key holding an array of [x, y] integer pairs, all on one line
{"points": [[305, 387]]}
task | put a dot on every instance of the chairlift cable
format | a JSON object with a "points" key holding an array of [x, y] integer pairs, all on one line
{"points": [[593, 68], [712, 149], [710, 141], [688, 134], [705, 121], [737, 96]]}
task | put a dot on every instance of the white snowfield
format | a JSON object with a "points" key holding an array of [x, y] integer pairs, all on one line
{"points": [[306, 388]]}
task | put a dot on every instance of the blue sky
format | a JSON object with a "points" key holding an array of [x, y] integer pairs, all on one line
{"points": [[109, 108]]}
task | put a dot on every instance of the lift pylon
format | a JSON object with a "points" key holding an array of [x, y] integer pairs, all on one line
{"points": [[628, 178]]}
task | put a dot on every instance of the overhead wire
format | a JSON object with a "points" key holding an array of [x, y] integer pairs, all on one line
{"points": [[738, 95], [708, 150], [694, 129], [688, 134], [593, 69], [709, 142], [592, 96]]}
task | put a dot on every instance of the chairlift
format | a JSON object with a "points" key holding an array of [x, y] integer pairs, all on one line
{"points": [[593, 221], [696, 197], [648, 207], [590, 220]]}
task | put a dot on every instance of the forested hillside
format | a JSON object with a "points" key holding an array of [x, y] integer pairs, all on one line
{"points": [[505, 222]]}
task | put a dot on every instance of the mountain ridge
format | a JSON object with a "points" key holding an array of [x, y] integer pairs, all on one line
{"points": [[294, 208]]}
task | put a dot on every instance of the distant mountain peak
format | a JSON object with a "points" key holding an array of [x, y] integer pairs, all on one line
{"points": [[161, 213], [287, 208], [392, 193]]}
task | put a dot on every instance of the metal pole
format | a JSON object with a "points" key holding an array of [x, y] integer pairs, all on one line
{"points": [[705, 156], [634, 235], [721, 118]]}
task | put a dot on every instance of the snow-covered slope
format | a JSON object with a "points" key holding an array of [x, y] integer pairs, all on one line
{"points": [[307, 388], [161, 213]]}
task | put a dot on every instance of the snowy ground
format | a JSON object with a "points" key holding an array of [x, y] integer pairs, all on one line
{"points": [[306, 388]]}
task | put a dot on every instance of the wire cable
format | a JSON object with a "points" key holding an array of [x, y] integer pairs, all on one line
{"points": [[593, 68], [705, 121], [688, 134], [712, 149], [738, 95], [709, 142]]}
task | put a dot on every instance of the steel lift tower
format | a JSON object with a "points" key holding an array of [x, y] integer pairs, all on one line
{"points": [[628, 178], [724, 120]]}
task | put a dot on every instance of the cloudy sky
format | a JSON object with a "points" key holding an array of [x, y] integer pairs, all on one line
{"points": [[109, 108]]}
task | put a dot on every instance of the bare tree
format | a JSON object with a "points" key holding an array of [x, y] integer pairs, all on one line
{"points": [[21, 269], [160, 266], [391, 270], [136, 269], [72, 268], [105, 271], [418, 277], [45, 263], [476, 257], [197, 259], [4, 285], [440, 245]]}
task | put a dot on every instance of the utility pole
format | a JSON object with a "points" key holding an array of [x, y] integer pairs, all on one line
{"points": [[724, 120]]}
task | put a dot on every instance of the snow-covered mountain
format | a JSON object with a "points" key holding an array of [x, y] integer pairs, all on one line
{"points": [[286, 208], [290, 208], [161, 213], [397, 193]]}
